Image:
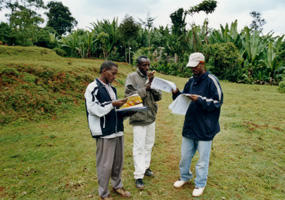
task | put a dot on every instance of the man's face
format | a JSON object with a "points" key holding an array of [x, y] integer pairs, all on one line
{"points": [[198, 70], [110, 75], [144, 66]]}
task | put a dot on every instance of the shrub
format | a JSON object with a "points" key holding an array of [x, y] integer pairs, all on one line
{"points": [[9, 71], [226, 60], [144, 51], [282, 87], [60, 51]]}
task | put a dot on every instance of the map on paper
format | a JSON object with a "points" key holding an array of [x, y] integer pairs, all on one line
{"points": [[162, 84], [180, 104], [134, 103]]}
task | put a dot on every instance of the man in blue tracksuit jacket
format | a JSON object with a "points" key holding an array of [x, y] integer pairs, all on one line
{"points": [[201, 122]]}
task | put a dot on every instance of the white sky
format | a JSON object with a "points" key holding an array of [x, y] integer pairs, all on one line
{"points": [[88, 11]]}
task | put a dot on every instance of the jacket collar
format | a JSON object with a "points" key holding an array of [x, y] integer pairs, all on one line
{"points": [[99, 83], [202, 77], [141, 74]]}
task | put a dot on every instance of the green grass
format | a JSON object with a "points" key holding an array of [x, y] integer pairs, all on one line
{"points": [[55, 158]]}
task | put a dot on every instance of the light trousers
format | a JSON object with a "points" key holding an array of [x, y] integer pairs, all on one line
{"points": [[188, 150], [109, 163], [143, 141]]}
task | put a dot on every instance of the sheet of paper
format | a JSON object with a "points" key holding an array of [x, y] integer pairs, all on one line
{"points": [[180, 104], [162, 84]]}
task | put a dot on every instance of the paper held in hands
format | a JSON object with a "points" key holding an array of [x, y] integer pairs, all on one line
{"points": [[134, 103], [162, 84], [180, 104]]}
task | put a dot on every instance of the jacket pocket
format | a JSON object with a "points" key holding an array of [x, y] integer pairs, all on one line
{"points": [[208, 123], [94, 125]]}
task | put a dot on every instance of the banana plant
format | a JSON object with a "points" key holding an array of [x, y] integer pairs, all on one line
{"points": [[226, 34], [272, 59], [253, 45], [106, 32]]}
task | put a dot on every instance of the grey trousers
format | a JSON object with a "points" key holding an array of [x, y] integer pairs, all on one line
{"points": [[109, 163]]}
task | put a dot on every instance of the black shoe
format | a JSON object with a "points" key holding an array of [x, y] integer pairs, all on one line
{"points": [[139, 183], [148, 172]]}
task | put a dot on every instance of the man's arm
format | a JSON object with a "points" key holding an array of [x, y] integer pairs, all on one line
{"points": [[130, 88], [94, 107], [215, 100], [176, 93], [156, 94]]}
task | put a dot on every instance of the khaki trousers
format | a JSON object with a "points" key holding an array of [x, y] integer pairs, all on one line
{"points": [[109, 163]]}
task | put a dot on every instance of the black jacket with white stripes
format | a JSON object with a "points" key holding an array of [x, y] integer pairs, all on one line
{"points": [[202, 116]]}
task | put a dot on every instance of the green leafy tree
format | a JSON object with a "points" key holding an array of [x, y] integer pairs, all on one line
{"points": [[176, 43], [257, 22], [5, 34], [178, 22], [106, 35], [226, 60], [23, 20], [60, 18], [148, 23], [207, 6], [129, 30], [25, 23]]}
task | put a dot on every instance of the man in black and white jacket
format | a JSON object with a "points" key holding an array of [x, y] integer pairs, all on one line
{"points": [[106, 125]]}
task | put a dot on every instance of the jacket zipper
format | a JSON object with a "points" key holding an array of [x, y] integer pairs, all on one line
{"points": [[104, 123], [116, 130]]}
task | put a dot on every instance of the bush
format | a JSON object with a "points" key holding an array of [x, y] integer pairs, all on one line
{"points": [[226, 60], [144, 51], [60, 51], [43, 38], [5, 33], [282, 87]]}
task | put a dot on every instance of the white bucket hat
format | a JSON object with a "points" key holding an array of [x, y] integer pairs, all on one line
{"points": [[195, 59]]}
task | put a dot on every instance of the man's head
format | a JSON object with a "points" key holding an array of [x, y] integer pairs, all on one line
{"points": [[197, 63], [143, 64], [108, 71]]}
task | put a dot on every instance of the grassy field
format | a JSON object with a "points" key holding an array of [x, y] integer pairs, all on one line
{"points": [[54, 158]]}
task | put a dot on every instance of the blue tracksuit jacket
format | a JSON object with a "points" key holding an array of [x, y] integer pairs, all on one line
{"points": [[202, 116]]}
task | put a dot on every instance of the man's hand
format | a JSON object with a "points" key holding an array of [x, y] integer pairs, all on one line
{"points": [[150, 76], [194, 97], [119, 102], [175, 91], [147, 86]]}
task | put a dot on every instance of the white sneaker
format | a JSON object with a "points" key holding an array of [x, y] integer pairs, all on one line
{"points": [[198, 192], [179, 183]]}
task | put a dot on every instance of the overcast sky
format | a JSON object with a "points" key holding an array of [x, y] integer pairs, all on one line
{"points": [[88, 11]]}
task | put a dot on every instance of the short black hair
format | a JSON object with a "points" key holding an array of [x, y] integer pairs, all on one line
{"points": [[107, 65], [139, 60]]}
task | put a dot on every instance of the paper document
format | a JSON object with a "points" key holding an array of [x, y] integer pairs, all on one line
{"points": [[134, 103], [138, 107], [180, 104], [162, 84]]}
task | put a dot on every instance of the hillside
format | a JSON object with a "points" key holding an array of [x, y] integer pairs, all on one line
{"points": [[36, 83], [54, 156]]}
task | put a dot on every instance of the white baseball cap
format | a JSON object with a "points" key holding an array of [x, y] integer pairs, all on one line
{"points": [[195, 59]]}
